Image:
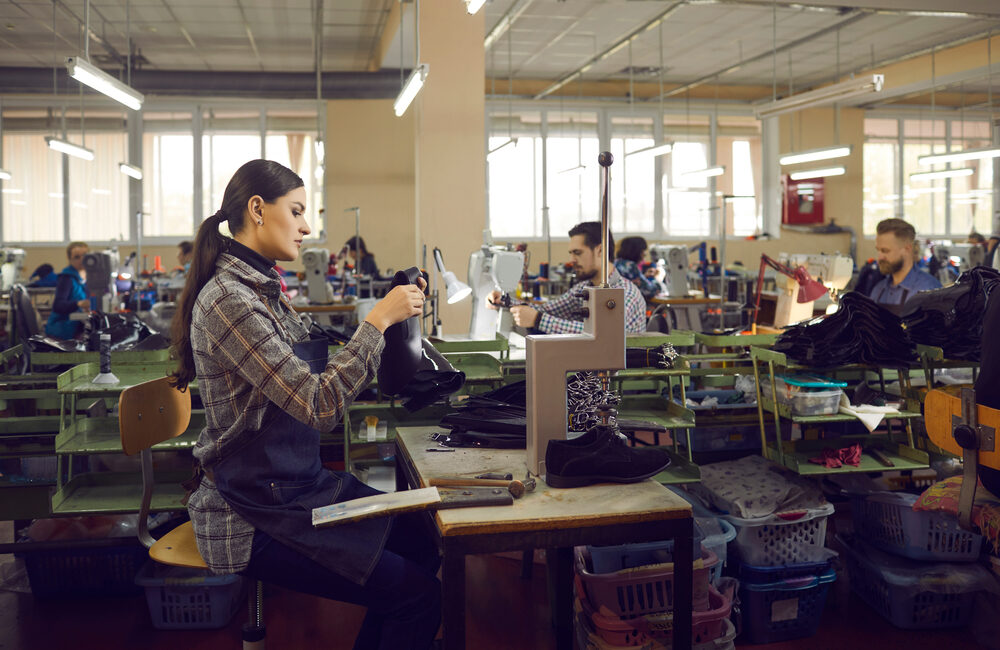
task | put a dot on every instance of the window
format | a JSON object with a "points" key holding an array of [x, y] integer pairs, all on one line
{"points": [[634, 181], [573, 172], [168, 173], [32, 198], [972, 196], [688, 200], [98, 191]]}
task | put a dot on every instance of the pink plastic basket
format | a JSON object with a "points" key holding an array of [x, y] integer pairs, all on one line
{"points": [[642, 590], [705, 625]]}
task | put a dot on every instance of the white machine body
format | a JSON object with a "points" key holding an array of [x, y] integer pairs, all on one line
{"points": [[674, 260], [491, 268], [834, 271], [316, 262], [549, 357], [102, 271], [12, 268]]}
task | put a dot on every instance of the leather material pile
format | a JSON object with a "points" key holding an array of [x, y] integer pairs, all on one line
{"points": [[951, 318], [860, 331]]}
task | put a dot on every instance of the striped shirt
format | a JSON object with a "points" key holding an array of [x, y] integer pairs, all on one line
{"points": [[564, 315], [242, 331]]}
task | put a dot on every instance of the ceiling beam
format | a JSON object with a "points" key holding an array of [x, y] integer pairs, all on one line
{"points": [[611, 50], [506, 22]]}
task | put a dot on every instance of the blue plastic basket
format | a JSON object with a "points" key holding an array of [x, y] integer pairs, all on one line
{"points": [[85, 571], [749, 573], [785, 609], [189, 599]]}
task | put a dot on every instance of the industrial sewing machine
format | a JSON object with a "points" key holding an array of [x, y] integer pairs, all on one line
{"points": [[102, 273], [492, 268], [316, 262], [833, 271], [953, 259], [11, 267]]}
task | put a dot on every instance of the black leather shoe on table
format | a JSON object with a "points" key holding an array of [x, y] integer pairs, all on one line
{"points": [[601, 455]]}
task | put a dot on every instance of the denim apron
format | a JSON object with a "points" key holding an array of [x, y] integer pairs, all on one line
{"points": [[276, 479]]}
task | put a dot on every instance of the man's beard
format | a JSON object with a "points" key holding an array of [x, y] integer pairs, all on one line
{"points": [[581, 276], [885, 268]]}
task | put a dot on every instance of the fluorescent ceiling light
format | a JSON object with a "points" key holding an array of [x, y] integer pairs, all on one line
{"points": [[13, 202], [927, 190], [62, 146], [101, 191], [818, 173], [90, 75], [4, 175], [826, 153], [12, 190], [703, 173], [130, 170], [858, 86], [944, 173], [656, 150], [966, 202], [56, 195], [472, 6], [957, 156], [410, 89], [320, 151]]}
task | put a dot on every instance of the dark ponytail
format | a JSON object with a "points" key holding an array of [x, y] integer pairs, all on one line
{"points": [[264, 178]]}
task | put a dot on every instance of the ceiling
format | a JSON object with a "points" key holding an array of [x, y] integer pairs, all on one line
{"points": [[702, 40]]}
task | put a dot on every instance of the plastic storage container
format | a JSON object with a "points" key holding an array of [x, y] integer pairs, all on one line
{"points": [[644, 590], [189, 599], [913, 594], [748, 573], [656, 630], [85, 571], [587, 638], [804, 394], [608, 559], [784, 609], [784, 538], [887, 520]]}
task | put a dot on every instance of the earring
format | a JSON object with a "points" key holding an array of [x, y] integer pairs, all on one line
{"points": [[260, 223]]}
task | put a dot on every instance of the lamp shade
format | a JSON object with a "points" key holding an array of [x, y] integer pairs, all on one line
{"points": [[457, 290], [809, 289]]}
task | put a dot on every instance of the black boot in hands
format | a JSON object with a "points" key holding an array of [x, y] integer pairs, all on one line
{"points": [[599, 456]]}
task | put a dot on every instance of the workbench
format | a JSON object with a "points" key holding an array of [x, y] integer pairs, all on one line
{"points": [[556, 520]]}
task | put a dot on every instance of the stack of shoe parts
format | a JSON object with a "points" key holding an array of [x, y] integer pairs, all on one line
{"points": [[602, 454]]}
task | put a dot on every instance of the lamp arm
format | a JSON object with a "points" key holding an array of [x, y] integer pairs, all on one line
{"points": [[766, 261], [438, 260]]}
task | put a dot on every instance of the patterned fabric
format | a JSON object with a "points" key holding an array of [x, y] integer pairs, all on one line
{"points": [[631, 271], [241, 334], [564, 315], [753, 487], [943, 497]]}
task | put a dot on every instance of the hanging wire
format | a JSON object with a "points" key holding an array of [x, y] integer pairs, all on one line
{"points": [[836, 106], [401, 35], [774, 50], [510, 84], [86, 30]]}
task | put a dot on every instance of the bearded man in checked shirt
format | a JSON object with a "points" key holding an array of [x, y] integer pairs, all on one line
{"points": [[565, 314]]}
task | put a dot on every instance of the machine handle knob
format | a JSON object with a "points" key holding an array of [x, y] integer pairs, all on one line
{"points": [[605, 159], [965, 436]]}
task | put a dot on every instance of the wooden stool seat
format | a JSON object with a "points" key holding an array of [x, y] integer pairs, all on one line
{"points": [[178, 548]]}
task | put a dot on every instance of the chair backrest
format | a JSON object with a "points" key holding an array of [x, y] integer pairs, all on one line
{"points": [[25, 315], [151, 412]]}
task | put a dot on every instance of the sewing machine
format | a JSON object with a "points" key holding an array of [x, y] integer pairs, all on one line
{"points": [[549, 357], [492, 268], [316, 262], [952, 257], [12, 269], [102, 273], [833, 271]]}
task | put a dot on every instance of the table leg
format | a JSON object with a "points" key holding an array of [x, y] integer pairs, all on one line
{"points": [[453, 600], [559, 566], [683, 560]]}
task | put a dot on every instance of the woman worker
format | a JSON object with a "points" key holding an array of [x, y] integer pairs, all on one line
{"points": [[363, 261], [631, 251], [268, 391], [71, 295]]}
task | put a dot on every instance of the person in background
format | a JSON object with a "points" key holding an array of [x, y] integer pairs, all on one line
{"points": [[363, 262], [894, 242], [269, 390], [991, 249], [71, 295], [185, 251], [652, 274], [565, 314], [631, 252], [976, 238], [43, 276]]}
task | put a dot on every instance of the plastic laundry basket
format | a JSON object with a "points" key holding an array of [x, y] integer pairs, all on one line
{"points": [[887, 520], [785, 609], [188, 599], [784, 538]]}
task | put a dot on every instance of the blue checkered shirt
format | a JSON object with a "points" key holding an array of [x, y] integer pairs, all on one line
{"points": [[564, 315]]}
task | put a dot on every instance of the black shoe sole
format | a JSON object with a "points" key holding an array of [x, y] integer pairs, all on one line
{"points": [[562, 482]]}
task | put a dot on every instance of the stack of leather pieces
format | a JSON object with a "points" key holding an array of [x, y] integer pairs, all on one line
{"points": [[860, 331], [951, 318]]}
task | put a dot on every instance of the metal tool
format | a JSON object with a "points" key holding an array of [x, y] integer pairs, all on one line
{"points": [[515, 487], [440, 449], [496, 476], [876, 452]]}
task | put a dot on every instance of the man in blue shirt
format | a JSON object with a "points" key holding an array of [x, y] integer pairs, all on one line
{"points": [[894, 243]]}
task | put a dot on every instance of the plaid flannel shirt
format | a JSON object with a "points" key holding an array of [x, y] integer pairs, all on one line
{"points": [[242, 333], [564, 315]]}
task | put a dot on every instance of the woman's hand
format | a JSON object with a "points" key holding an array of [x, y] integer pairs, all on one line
{"points": [[400, 303]]}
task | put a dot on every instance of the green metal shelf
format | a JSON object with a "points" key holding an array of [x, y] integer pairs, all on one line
{"points": [[78, 380], [77, 358], [798, 452], [462, 343], [393, 415], [102, 436], [656, 409], [734, 340], [113, 492], [677, 338], [479, 367], [786, 412], [681, 470]]}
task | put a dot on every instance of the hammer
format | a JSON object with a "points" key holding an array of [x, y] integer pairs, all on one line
{"points": [[516, 488]]}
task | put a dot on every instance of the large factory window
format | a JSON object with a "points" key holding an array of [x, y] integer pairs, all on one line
{"points": [[687, 199], [633, 198], [515, 163], [168, 172], [972, 196], [32, 198], [98, 191]]}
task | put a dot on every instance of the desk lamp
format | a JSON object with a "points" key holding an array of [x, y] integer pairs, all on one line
{"points": [[456, 289], [809, 289]]}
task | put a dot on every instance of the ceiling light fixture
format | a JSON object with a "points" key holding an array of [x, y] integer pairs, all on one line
{"points": [[130, 170], [837, 92], [4, 175], [699, 174], [62, 146], [90, 75], [472, 6], [812, 155], [818, 173], [410, 89], [958, 156], [944, 173], [652, 152]]}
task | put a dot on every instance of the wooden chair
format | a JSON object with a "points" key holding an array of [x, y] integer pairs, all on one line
{"points": [[150, 413]]}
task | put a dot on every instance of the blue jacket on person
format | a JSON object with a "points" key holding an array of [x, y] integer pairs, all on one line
{"points": [[70, 290]]}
